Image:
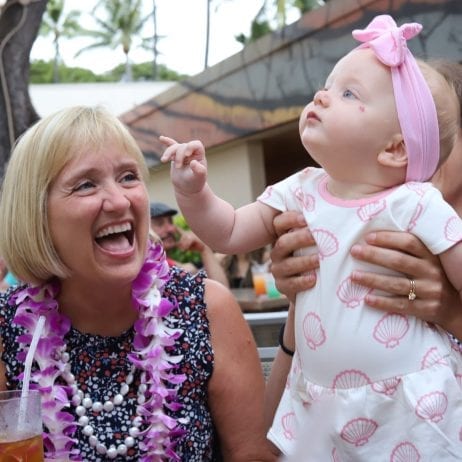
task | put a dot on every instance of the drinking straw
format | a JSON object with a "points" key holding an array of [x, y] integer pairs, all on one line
{"points": [[27, 370]]}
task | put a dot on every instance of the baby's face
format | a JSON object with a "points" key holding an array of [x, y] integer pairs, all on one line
{"points": [[353, 117]]}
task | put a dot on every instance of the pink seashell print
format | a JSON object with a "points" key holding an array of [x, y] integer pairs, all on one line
{"points": [[358, 431], [415, 216], [387, 387], [431, 357], [432, 406], [351, 294], [313, 331], [453, 229], [390, 329], [350, 379], [290, 425], [315, 392], [418, 188], [371, 210], [405, 452], [306, 201], [335, 456], [326, 241]]}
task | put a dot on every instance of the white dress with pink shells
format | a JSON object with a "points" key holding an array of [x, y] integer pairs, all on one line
{"points": [[366, 385]]}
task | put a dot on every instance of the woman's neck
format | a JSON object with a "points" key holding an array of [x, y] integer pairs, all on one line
{"points": [[105, 311]]}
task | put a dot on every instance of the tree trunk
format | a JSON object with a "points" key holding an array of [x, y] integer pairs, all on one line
{"points": [[19, 26]]}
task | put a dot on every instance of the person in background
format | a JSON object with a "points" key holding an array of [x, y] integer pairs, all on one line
{"points": [[398, 119], [238, 267], [173, 237], [135, 361]]}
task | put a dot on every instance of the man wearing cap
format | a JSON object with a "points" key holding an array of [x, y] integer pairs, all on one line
{"points": [[173, 237]]}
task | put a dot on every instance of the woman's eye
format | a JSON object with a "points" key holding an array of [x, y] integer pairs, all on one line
{"points": [[130, 176], [85, 185]]}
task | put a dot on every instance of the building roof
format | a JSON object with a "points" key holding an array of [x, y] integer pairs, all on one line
{"points": [[118, 97]]}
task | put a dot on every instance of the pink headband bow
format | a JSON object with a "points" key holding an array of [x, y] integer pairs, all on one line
{"points": [[414, 101]]}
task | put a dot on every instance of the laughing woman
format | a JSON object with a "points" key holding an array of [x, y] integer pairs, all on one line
{"points": [[135, 361]]}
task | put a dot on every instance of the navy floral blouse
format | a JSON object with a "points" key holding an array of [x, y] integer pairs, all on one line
{"points": [[100, 365]]}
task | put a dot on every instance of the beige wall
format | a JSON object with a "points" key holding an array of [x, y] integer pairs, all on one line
{"points": [[235, 172]]}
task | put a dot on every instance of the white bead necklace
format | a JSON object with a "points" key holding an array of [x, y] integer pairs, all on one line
{"points": [[84, 403]]}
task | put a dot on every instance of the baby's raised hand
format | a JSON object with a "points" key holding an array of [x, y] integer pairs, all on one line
{"points": [[188, 169]]}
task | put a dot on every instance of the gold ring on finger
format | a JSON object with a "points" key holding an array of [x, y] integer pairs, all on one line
{"points": [[412, 295]]}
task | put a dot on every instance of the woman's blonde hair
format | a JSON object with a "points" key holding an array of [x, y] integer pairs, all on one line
{"points": [[36, 160]]}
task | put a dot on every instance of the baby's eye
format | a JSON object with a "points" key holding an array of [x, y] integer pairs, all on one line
{"points": [[348, 94]]}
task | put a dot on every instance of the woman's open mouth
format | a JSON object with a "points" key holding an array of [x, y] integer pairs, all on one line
{"points": [[116, 238]]}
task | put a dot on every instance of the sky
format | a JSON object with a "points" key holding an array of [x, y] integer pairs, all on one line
{"points": [[182, 22]]}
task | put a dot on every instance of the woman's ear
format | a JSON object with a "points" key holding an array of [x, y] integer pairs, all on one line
{"points": [[395, 154]]}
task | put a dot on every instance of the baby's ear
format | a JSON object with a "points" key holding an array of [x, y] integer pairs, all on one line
{"points": [[395, 154]]}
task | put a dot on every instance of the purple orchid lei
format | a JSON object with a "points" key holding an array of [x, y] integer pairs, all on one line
{"points": [[148, 355]]}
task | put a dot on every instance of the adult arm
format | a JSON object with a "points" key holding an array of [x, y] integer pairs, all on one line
{"points": [[292, 274], [236, 389], [279, 370]]}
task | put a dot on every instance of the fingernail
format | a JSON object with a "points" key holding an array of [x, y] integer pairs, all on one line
{"points": [[371, 237]]}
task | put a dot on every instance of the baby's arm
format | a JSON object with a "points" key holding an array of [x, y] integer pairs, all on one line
{"points": [[214, 220]]}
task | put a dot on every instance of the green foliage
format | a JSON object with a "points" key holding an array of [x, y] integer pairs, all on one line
{"points": [[42, 72], [143, 71], [183, 256], [262, 23]]}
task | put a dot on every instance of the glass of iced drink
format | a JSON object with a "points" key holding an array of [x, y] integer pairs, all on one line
{"points": [[21, 426]]}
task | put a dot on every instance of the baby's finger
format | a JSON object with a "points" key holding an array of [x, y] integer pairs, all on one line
{"points": [[198, 168], [168, 154], [166, 140], [187, 152]]}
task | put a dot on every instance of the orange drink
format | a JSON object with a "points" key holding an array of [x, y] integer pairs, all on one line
{"points": [[21, 426], [29, 449], [259, 284]]}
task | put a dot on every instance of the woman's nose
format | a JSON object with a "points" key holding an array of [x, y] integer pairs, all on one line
{"points": [[321, 98], [115, 198]]}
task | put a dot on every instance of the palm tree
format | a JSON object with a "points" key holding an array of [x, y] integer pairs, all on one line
{"points": [[122, 23], [207, 35], [261, 24], [55, 23], [150, 43]]}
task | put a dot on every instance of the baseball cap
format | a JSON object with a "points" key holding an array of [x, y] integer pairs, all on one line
{"points": [[159, 209]]}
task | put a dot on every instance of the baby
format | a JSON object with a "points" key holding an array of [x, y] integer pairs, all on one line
{"points": [[362, 383]]}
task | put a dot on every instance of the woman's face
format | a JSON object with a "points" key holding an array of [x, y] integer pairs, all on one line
{"points": [[98, 216]]}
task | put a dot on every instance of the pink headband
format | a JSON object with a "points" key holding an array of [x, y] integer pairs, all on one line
{"points": [[414, 101]]}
